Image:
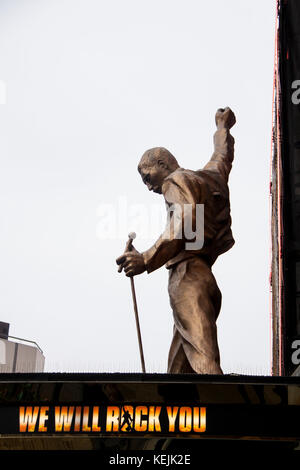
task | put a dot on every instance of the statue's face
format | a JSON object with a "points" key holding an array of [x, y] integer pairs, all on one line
{"points": [[153, 177]]}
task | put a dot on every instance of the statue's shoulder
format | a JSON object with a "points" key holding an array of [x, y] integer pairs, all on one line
{"points": [[182, 176], [206, 181]]}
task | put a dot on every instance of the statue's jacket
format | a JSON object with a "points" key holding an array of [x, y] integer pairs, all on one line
{"points": [[208, 186]]}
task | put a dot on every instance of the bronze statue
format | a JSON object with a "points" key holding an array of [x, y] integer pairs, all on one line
{"points": [[194, 295]]}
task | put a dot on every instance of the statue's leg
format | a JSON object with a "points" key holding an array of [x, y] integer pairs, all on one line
{"points": [[196, 300], [179, 363]]}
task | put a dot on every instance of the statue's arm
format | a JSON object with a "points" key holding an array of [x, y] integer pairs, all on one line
{"points": [[161, 252], [221, 160], [171, 241]]}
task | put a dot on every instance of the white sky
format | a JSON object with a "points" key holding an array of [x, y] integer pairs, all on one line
{"points": [[92, 84]]}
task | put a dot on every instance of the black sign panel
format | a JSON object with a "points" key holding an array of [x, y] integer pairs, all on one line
{"points": [[146, 405]]}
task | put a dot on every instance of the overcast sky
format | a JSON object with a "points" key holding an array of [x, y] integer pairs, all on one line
{"points": [[92, 84]]}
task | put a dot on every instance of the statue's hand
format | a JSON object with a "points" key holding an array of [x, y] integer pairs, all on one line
{"points": [[225, 118], [132, 262]]}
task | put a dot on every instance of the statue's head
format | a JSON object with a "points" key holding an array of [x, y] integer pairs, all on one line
{"points": [[155, 165]]}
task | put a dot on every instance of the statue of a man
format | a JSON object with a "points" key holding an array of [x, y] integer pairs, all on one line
{"points": [[194, 295]]}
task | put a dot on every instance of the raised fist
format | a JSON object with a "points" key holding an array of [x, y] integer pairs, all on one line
{"points": [[225, 118]]}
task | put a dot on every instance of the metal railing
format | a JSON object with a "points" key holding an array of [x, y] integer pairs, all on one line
{"points": [[22, 339]]}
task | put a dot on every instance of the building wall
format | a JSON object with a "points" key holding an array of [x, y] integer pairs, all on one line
{"points": [[18, 357]]}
